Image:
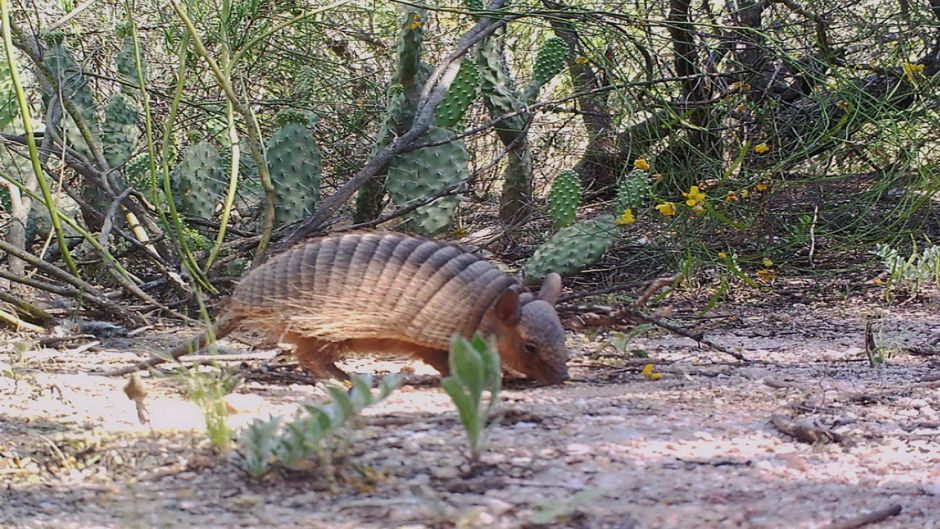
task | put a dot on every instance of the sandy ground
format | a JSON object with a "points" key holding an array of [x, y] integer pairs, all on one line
{"points": [[696, 448]]}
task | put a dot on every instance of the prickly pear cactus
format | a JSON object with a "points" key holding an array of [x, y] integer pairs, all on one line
{"points": [[422, 173], [410, 39], [548, 63], [564, 197], [74, 86], [198, 180], [119, 131], [294, 162], [460, 96], [572, 248], [126, 63], [633, 188]]}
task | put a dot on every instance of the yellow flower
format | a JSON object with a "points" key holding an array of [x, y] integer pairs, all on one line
{"points": [[694, 197], [648, 372], [626, 219], [460, 232], [761, 187], [761, 148], [742, 108], [745, 193], [668, 209], [766, 275], [415, 23], [877, 281], [582, 60], [910, 70], [723, 256], [842, 104], [767, 262], [698, 209], [731, 197], [641, 164], [739, 85]]}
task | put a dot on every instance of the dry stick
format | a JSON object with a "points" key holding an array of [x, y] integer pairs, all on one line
{"points": [[26, 308], [866, 519], [107, 306], [435, 90], [12, 319], [694, 336]]}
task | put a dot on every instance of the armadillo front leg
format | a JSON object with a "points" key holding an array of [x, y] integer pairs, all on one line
{"points": [[318, 357]]}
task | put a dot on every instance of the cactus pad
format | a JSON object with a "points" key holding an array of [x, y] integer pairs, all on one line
{"points": [[460, 96], [550, 60], [198, 180], [294, 161], [633, 188], [572, 248], [119, 131], [564, 198], [422, 173]]}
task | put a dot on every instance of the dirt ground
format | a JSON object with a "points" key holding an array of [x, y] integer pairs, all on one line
{"points": [[704, 446]]}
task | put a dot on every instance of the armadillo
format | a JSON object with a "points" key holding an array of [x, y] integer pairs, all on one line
{"points": [[388, 292]]}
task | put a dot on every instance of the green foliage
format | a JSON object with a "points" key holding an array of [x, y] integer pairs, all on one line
{"points": [[463, 91], [9, 111], [632, 190], [474, 368], [294, 161], [198, 180], [207, 391], [425, 172], [564, 198], [572, 248], [909, 275], [267, 444], [119, 131]]}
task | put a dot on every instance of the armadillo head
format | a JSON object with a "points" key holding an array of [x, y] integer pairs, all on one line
{"points": [[529, 334]]}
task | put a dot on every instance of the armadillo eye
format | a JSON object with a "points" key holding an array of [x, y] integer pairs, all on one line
{"points": [[530, 348]]}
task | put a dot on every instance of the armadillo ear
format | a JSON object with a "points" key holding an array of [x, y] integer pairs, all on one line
{"points": [[551, 288], [507, 307]]}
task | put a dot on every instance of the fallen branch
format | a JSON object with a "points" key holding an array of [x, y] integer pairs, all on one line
{"points": [[866, 519], [12, 319]]}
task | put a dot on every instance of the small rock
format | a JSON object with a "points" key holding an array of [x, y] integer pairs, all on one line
{"points": [[445, 472]]}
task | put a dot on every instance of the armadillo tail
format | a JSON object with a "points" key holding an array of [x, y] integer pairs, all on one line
{"points": [[219, 330]]}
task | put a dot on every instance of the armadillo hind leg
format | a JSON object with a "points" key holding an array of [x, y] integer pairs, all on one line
{"points": [[318, 357]]}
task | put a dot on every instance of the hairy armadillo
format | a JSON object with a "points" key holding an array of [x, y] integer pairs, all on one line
{"points": [[388, 292]]}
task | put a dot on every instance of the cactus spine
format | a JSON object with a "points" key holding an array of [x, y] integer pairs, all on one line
{"points": [[294, 161]]}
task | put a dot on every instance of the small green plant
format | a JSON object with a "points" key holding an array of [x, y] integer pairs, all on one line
{"points": [[474, 367], [266, 443], [620, 341], [911, 274], [207, 390]]}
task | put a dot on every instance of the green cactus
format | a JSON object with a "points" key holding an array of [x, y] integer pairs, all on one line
{"points": [[501, 97], [548, 63], [119, 131], [294, 161], [198, 180], [74, 86], [410, 40], [572, 248], [460, 96], [137, 172], [564, 198], [126, 63], [633, 188], [422, 173]]}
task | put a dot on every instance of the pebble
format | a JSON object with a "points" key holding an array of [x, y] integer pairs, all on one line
{"points": [[445, 472]]}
